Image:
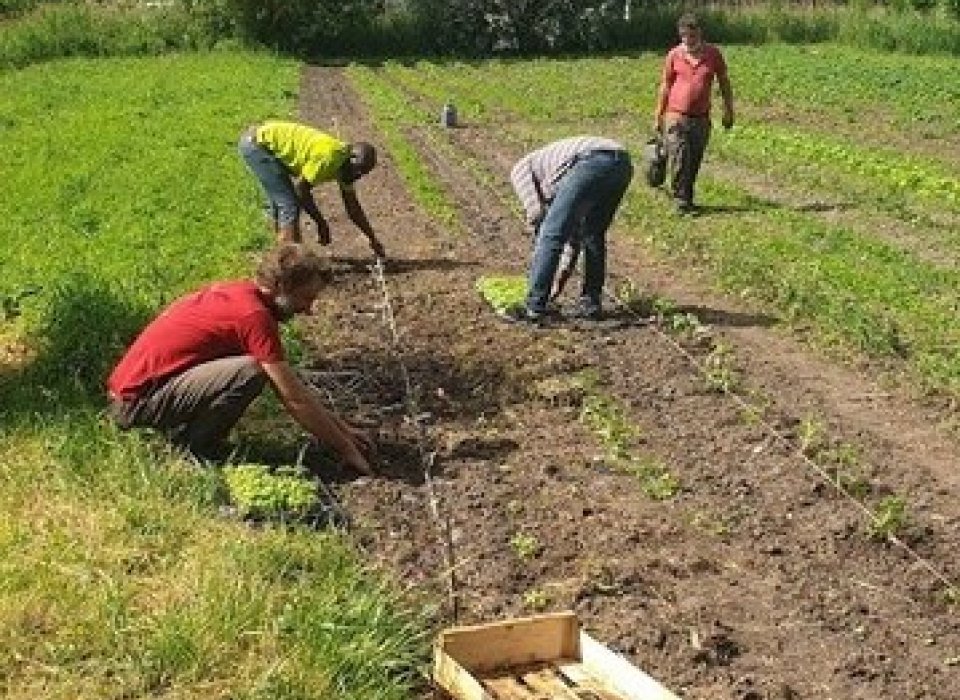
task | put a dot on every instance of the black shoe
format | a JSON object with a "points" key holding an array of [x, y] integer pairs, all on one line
{"points": [[522, 316], [685, 208]]}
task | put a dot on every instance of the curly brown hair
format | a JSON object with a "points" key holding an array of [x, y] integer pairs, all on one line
{"points": [[289, 266]]}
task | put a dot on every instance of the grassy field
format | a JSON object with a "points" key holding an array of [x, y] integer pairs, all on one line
{"points": [[835, 202], [117, 577]]}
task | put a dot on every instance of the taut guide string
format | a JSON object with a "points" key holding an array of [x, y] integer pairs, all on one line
{"points": [[427, 456]]}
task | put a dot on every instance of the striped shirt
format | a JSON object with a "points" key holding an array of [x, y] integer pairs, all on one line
{"points": [[537, 175]]}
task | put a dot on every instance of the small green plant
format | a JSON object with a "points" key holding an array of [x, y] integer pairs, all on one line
{"points": [[811, 435], [635, 299], [718, 369], [536, 599], [655, 480], [525, 546], [716, 526], [756, 407], [889, 518], [259, 492], [606, 419], [503, 293], [846, 470]]}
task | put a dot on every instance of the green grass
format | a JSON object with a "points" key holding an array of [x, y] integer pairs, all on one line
{"points": [[117, 576]]}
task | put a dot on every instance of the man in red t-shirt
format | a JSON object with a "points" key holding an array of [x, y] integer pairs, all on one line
{"points": [[683, 106], [194, 369]]}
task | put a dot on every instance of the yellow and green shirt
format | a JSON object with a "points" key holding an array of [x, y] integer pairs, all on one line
{"points": [[307, 152]]}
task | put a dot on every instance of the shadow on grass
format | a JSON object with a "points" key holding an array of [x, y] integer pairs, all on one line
{"points": [[84, 328], [732, 319]]}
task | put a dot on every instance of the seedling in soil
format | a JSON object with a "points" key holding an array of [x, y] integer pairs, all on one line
{"points": [[503, 293], [811, 435], [525, 546], [635, 300], [889, 518], [655, 480], [718, 369], [607, 420], [756, 408], [846, 470], [951, 596], [536, 599], [713, 526]]}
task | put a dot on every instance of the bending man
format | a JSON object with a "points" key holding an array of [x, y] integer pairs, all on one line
{"points": [[570, 191], [195, 368], [290, 159]]}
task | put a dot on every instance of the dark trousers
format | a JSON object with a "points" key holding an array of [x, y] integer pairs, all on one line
{"points": [[197, 408], [687, 139], [588, 197]]}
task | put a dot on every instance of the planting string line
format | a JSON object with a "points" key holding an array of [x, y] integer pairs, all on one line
{"points": [[782, 438], [427, 457]]}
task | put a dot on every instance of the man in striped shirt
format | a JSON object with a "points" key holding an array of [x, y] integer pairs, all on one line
{"points": [[570, 191]]}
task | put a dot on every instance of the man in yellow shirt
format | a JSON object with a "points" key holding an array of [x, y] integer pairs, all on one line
{"points": [[290, 159]]}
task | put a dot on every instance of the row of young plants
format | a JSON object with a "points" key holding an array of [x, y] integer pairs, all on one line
{"points": [[859, 292], [119, 575]]}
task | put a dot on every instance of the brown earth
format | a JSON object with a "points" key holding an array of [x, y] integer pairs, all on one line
{"points": [[756, 580]]}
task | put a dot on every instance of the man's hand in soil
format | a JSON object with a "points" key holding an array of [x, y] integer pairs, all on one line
{"points": [[363, 440], [377, 247], [359, 463], [323, 232]]}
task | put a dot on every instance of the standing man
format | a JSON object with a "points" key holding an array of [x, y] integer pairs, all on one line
{"points": [[570, 190], [683, 106], [194, 370], [290, 159]]}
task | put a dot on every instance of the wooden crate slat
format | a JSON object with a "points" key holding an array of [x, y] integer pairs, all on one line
{"points": [[482, 648], [587, 684], [550, 684], [508, 688]]}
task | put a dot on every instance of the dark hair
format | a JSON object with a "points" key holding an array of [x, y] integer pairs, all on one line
{"points": [[688, 20], [289, 266]]}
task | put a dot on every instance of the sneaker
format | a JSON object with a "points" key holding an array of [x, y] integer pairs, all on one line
{"points": [[685, 208], [521, 315]]}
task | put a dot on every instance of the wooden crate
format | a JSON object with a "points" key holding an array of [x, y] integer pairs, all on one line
{"points": [[546, 657]]}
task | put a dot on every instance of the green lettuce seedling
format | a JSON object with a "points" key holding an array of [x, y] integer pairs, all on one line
{"points": [[503, 293], [259, 493]]}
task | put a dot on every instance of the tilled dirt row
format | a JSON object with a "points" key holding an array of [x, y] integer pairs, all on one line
{"points": [[755, 580]]}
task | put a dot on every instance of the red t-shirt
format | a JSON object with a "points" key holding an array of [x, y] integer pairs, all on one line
{"points": [[690, 82], [225, 319]]}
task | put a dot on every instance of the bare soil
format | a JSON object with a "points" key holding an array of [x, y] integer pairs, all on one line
{"points": [[756, 580]]}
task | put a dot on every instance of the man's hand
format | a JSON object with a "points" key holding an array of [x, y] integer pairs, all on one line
{"points": [[323, 232], [362, 439], [377, 247], [727, 119], [359, 462]]}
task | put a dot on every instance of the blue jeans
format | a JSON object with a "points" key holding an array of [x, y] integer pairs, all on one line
{"points": [[588, 196], [283, 208]]}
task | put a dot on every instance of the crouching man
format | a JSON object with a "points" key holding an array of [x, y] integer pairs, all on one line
{"points": [[570, 190], [194, 369]]}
